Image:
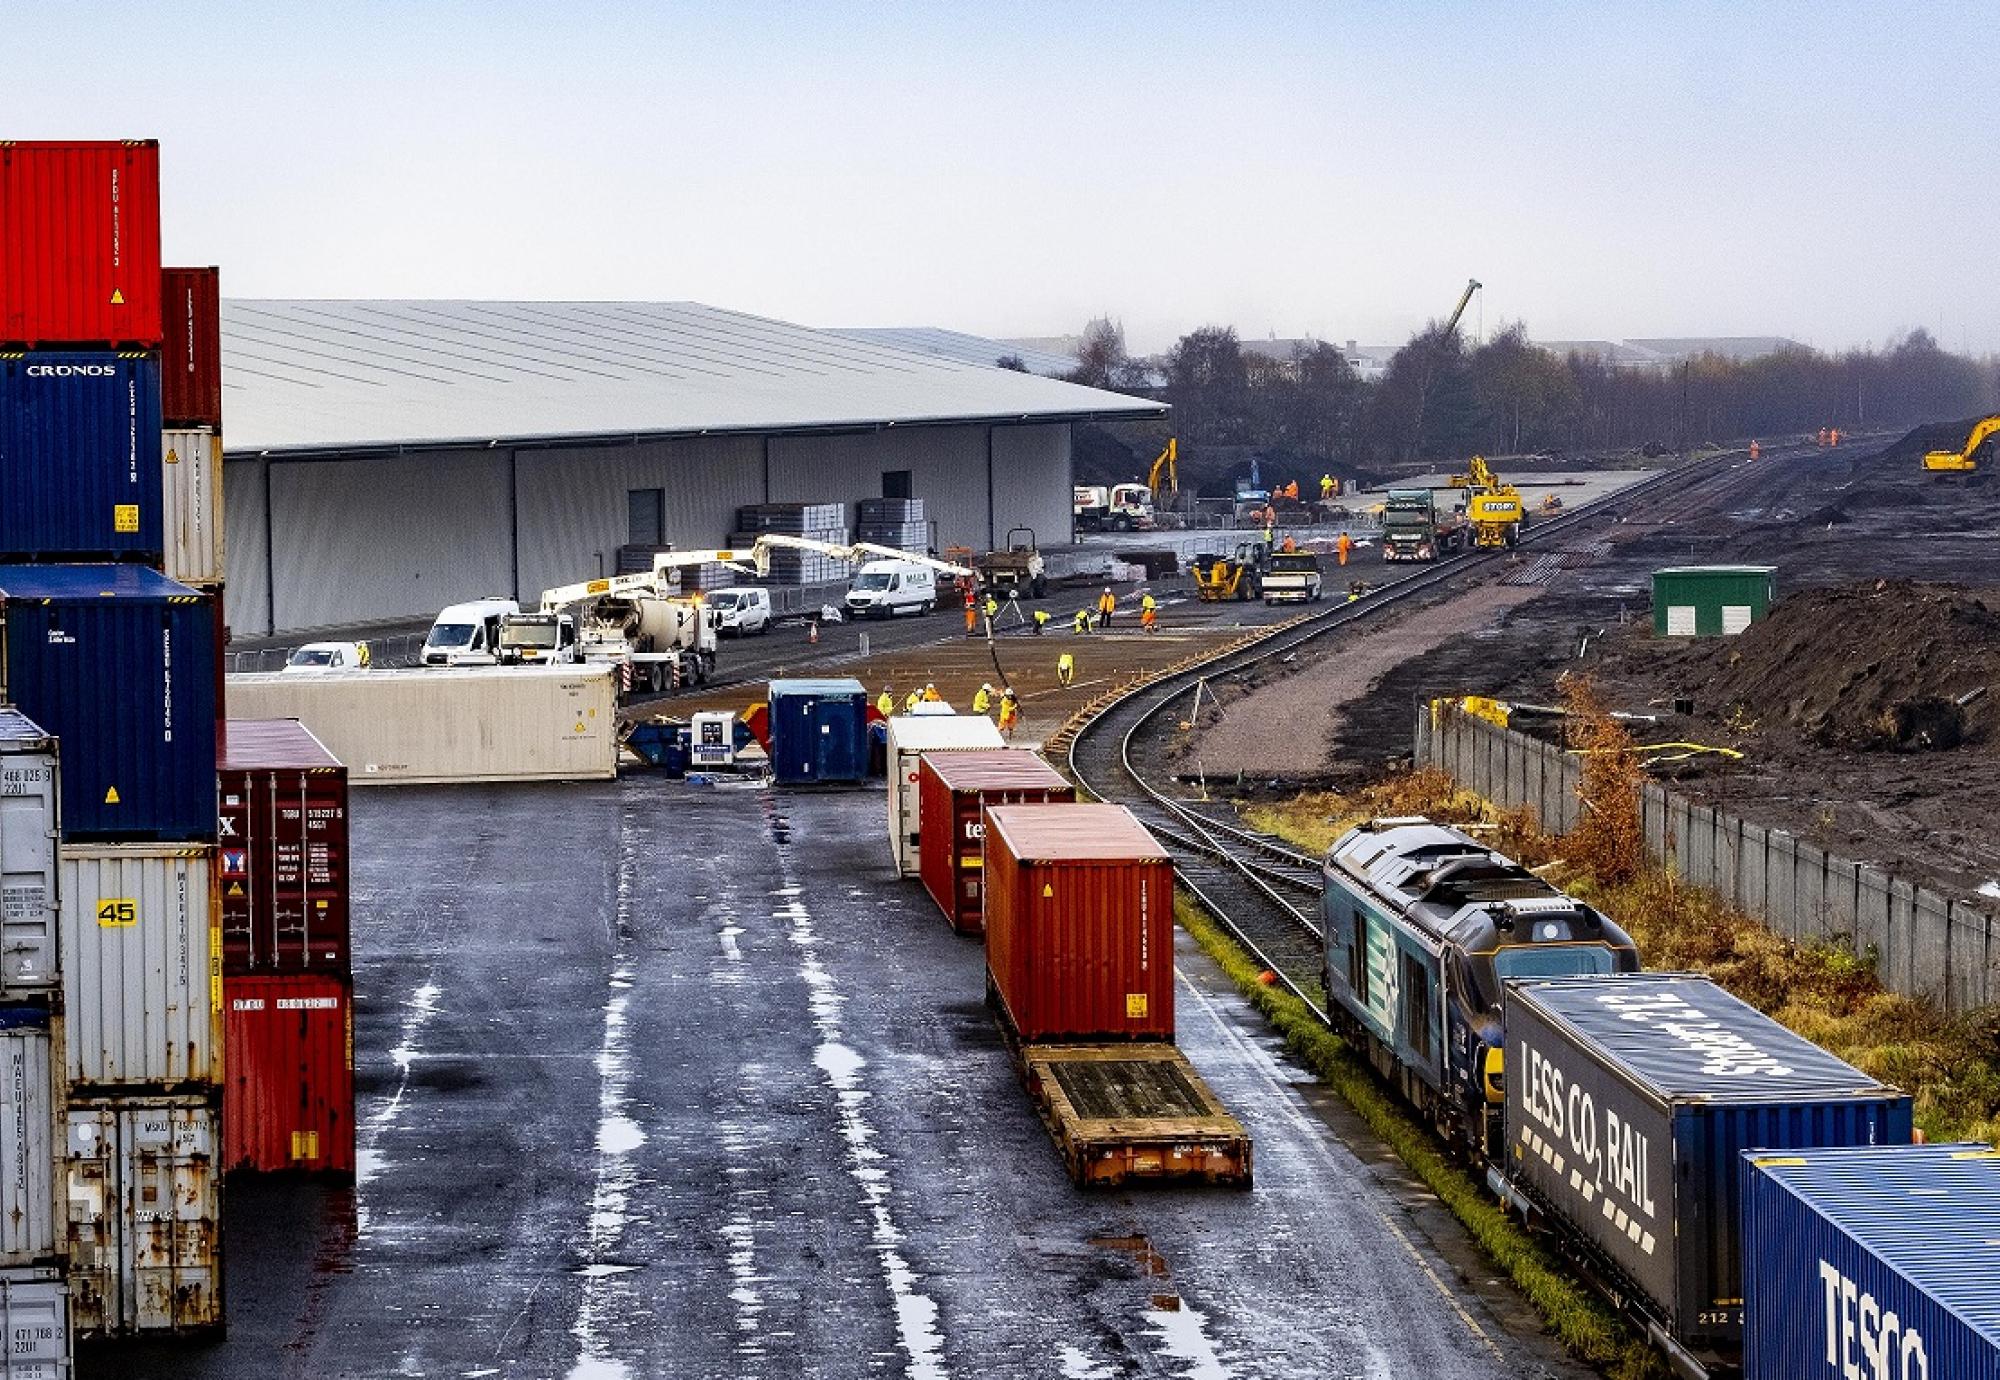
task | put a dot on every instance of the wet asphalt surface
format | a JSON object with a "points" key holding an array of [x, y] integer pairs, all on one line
{"points": [[663, 1081]]}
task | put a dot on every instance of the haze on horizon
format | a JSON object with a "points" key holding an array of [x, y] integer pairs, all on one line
{"points": [[1810, 170]]}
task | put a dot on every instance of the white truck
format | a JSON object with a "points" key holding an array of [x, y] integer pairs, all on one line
{"points": [[1089, 504], [883, 589], [539, 639], [1131, 508], [1293, 577], [467, 634]]}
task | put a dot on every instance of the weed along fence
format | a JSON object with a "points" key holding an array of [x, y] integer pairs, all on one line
{"points": [[1924, 943]]}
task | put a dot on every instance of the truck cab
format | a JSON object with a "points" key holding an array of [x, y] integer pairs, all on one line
{"points": [[538, 639], [1414, 530], [1131, 508], [1294, 577], [467, 634]]}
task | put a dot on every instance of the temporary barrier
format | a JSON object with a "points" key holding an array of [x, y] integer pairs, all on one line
{"points": [[281, 860], [288, 1101]]}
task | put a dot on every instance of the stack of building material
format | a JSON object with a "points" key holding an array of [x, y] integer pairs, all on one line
{"points": [[114, 663], [897, 522], [287, 975], [823, 522]]}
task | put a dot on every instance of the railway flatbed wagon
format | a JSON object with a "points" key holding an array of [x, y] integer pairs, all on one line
{"points": [[1133, 1112]]}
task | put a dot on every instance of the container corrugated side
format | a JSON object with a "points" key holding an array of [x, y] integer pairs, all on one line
{"points": [[510, 723], [1078, 949], [80, 457], [819, 732], [30, 815], [1867, 1263], [952, 824], [142, 978], [28, 1197], [191, 462], [144, 1216], [282, 855], [288, 1103], [80, 243], [191, 349], [909, 737], [34, 1316]]}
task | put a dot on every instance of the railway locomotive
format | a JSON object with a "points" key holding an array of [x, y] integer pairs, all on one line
{"points": [[1423, 927]]}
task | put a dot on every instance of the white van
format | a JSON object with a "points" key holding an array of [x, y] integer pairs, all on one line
{"points": [[883, 589], [327, 656], [467, 634], [741, 611]]}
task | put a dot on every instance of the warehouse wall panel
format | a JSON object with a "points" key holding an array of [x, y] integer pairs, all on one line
{"points": [[1032, 481], [246, 597], [947, 468]]}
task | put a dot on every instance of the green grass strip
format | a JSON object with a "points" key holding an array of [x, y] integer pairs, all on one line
{"points": [[1585, 1324]]}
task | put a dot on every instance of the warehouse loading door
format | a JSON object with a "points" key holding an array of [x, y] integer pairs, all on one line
{"points": [[646, 517]]}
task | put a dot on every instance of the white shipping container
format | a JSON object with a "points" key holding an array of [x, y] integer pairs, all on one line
{"points": [[145, 1224], [29, 824], [34, 1311], [910, 737], [142, 990], [27, 1139], [193, 527], [500, 723]]}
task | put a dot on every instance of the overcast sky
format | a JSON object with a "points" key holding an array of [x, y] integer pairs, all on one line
{"points": [[1823, 171]]}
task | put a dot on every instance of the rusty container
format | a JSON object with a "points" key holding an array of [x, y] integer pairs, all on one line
{"points": [[1079, 924], [953, 788]]}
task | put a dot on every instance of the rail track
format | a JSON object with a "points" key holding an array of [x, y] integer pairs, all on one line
{"points": [[1264, 892]]}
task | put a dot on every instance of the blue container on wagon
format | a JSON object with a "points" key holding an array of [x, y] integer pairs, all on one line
{"points": [[819, 732], [118, 662], [1876, 1264], [80, 463]]}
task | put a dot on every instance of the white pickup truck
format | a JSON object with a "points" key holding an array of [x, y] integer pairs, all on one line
{"points": [[1294, 577]]}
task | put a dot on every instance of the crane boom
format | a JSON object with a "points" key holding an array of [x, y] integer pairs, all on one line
{"points": [[754, 559], [1472, 285]]}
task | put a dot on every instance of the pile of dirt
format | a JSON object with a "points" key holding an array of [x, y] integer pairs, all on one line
{"points": [[1892, 665], [1931, 436]]}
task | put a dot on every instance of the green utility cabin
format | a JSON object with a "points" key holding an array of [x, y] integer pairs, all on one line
{"points": [[1711, 600]]}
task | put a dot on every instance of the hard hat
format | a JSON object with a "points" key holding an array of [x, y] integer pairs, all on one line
{"points": [[985, 685]]}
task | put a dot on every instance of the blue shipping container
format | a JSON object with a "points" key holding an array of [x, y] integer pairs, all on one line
{"points": [[1879, 1264], [80, 469], [118, 662], [819, 732]]}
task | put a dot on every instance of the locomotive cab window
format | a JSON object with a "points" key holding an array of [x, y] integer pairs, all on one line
{"points": [[1552, 960]]}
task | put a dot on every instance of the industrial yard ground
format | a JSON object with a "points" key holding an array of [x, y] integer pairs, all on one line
{"points": [[658, 1080]]}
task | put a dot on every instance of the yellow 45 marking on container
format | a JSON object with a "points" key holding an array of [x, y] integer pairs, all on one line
{"points": [[117, 912]]}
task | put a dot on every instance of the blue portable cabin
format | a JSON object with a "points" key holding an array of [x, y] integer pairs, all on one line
{"points": [[118, 662], [819, 732], [80, 464]]}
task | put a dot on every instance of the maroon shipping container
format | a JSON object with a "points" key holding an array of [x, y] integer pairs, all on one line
{"points": [[80, 244], [952, 788], [288, 1086], [282, 864], [1079, 924], [191, 358]]}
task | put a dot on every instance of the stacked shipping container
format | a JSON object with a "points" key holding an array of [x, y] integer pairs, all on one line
{"points": [[116, 668]]}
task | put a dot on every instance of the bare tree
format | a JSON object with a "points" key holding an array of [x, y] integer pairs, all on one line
{"points": [[1101, 358]]}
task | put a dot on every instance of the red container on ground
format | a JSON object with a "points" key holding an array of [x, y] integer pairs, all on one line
{"points": [[1079, 924], [282, 861], [952, 789], [288, 1086], [80, 244], [191, 357]]}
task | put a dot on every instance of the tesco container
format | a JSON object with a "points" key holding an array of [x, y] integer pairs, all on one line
{"points": [[1079, 924], [504, 723], [34, 1311], [191, 463], [28, 1197], [80, 243], [80, 457], [819, 732], [954, 788], [191, 350], [117, 661], [910, 737], [288, 1101], [1872, 1263], [1630, 1098], [30, 818], [144, 1222], [281, 855], [142, 990]]}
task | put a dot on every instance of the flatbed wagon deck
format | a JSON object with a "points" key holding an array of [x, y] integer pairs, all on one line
{"points": [[1133, 1111]]}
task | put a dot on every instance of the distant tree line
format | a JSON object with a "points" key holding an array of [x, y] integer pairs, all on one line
{"points": [[1441, 401]]}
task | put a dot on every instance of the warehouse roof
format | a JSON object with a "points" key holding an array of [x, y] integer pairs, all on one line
{"points": [[330, 376], [969, 349]]}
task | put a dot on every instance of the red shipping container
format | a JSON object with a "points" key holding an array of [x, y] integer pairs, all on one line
{"points": [[191, 358], [80, 244], [288, 1086], [952, 788], [1079, 924], [282, 861]]}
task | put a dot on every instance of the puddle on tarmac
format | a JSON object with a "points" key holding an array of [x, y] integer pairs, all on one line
{"points": [[776, 820]]}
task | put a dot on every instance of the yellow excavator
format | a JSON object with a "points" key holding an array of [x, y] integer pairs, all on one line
{"points": [[1965, 459], [1164, 479], [1493, 507]]}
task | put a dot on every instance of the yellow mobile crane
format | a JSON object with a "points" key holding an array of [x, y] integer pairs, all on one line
{"points": [[1493, 507], [1965, 458]]}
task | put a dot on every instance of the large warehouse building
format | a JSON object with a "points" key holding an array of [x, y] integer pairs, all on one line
{"points": [[385, 458]]}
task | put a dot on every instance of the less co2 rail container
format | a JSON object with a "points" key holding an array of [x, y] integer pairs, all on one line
{"points": [[80, 473], [1630, 1098], [1879, 1263], [80, 243], [118, 662], [1079, 924], [281, 854], [191, 357], [910, 736], [955, 788]]}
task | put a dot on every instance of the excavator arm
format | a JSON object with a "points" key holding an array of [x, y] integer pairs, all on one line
{"points": [[754, 560], [1169, 464], [1966, 458]]}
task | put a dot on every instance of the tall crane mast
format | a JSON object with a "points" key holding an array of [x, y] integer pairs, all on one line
{"points": [[1443, 343]]}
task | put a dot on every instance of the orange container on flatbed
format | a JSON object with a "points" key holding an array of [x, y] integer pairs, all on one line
{"points": [[953, 791]]}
